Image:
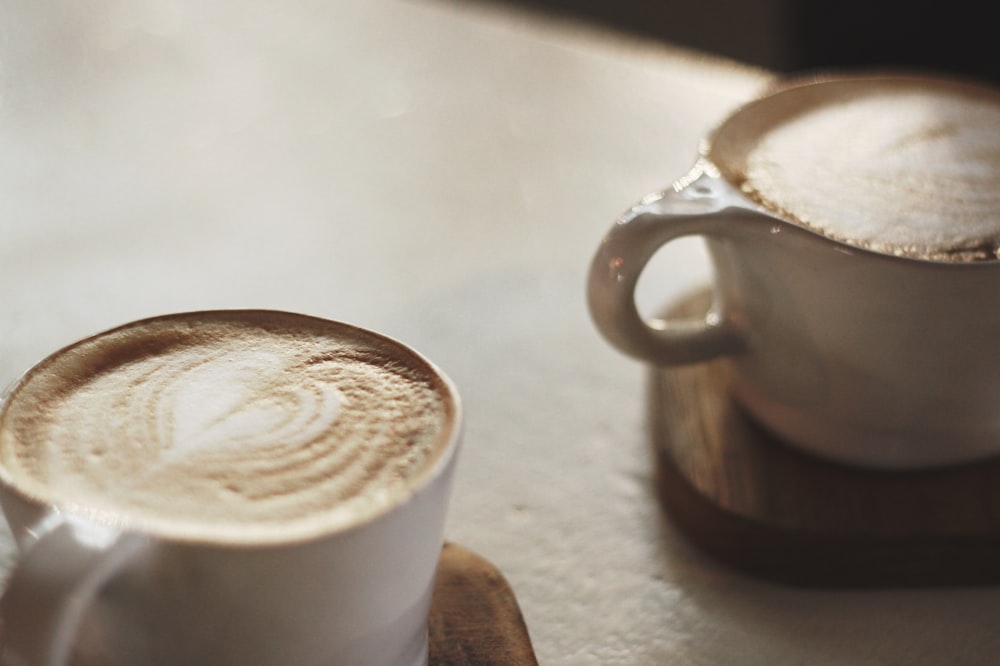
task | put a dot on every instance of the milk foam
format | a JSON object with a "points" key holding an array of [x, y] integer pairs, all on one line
{"points": [[227, 422], [903, 167]]}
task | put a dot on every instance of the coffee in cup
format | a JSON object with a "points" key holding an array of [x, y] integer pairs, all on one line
{"points": [[903, 166], [223, 435], [223, 423], [853, 225]]}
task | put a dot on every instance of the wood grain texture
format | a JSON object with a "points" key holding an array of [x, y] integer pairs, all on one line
{"points": [[770, 510], [475, 619]]}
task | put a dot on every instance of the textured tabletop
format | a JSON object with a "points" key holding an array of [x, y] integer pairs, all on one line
{"points": [[440, 174]]}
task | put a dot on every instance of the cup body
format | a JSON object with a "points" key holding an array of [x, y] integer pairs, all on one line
{"points": [[861, 357], [356, 594], [857, 356], [360, 596]]}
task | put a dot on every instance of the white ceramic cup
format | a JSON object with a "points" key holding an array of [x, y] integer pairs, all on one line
{"points": [[89, 589], [861, 357]]}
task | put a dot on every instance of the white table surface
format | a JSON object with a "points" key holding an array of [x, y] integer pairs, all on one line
{"points": [[441, 174]]}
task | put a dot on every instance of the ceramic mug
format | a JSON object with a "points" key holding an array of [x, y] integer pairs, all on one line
{"points": [[92, 586], [863, 356]]}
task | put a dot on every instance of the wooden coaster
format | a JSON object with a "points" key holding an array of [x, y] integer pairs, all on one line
{"points": [[770, 510], [475, 619]]}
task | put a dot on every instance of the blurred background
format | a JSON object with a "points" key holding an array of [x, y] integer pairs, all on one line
{"points": [[787, 35]]}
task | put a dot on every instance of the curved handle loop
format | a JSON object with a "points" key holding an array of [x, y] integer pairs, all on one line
{"points": [[60, 571], [694, 209]]}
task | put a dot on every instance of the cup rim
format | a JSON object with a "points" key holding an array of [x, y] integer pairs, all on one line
{"points": [[435, 466]]}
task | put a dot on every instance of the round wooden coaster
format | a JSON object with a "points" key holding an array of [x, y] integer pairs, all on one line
{"points": [[475, 619]]}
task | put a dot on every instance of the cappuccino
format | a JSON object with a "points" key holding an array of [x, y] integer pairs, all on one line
{"points": [[903, 166], [228, 424]]}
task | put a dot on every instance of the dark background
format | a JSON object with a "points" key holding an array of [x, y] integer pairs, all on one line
{"points": [[949, 36]]}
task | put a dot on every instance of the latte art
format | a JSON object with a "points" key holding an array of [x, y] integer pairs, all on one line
{"points": [[902, 166], [227, 421], [233, 400]]}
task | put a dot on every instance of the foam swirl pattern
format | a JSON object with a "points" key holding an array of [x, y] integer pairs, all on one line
{"points": [[227, 422]]}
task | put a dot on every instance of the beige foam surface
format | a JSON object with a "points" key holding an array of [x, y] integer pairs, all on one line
{"points": [[907, 167], [228, 425]]}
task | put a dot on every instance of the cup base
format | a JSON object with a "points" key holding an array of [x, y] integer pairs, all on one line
{"points": [[889, 450]]}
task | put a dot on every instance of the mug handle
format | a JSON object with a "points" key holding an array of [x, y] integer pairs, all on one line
{"points": [[696, 206], [65, 561]]}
